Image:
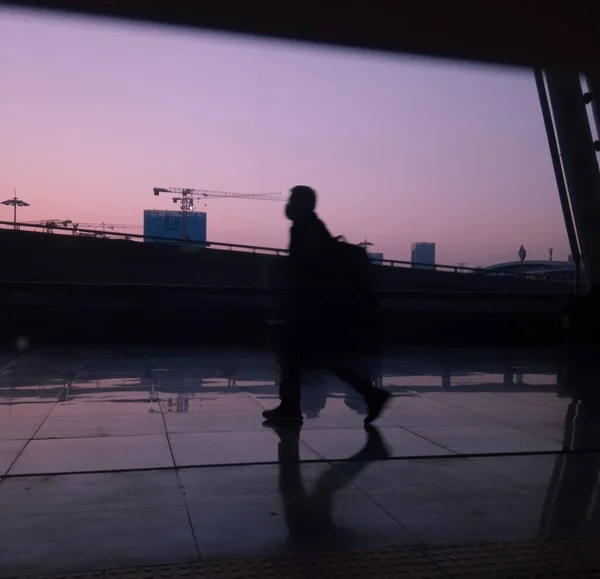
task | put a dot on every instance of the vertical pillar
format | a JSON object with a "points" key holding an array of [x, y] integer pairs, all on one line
{"points": [[563, 194], [593, 83], [580, 165]]}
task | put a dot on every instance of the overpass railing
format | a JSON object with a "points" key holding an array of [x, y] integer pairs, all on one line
{"points": [[192, 245]]}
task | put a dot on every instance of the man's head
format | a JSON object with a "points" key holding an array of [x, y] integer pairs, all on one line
{"points": [[302, 202]]}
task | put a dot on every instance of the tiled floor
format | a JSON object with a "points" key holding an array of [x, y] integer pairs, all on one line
{"points": [[124, 458]]}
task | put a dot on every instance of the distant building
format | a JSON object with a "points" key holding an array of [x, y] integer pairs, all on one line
{"points": [[168, 224], [422, 255], [559, 270], [376, 258]]}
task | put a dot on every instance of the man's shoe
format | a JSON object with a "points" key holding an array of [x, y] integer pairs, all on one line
{"points": [[281, 414], [376, 402]]}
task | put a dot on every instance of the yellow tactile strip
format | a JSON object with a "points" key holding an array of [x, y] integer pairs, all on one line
{"points": [[552, 558], [574, 557]]}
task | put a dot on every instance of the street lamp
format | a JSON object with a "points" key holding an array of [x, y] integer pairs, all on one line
{"points": [[15, 202], [365, 244]]}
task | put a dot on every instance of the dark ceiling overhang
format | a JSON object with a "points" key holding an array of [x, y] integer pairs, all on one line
{"points": [[551, 33]]}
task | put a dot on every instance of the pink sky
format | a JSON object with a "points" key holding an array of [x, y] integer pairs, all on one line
{"points": [[95, 114]]}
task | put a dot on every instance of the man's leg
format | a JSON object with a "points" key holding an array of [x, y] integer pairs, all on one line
{"points": [[290, 382], [375, 398]]}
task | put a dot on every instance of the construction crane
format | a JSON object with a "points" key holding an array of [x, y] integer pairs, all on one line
{"points": [[185, 198], [103, 226], [51, 224]]}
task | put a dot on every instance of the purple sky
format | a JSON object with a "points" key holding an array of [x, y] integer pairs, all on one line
{"points": [[95, 114]]}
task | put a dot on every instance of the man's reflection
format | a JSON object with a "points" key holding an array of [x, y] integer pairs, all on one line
{"points": [[318, 392], [321, 388], [573, 500], [309, 515], [315, 396]]}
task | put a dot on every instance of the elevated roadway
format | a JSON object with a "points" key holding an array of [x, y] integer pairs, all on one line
{"points": [[70, 289], [44, 257]]}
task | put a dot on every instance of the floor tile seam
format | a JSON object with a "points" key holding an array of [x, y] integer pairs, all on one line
{"points": [[421, 543], [492, 416], [504, 395], [522, 430], [373, 499], [254, 400], [382, 426], [382, 422], [484, 496], [70, 512], [478, 414], [65, 387], [441, 423], [307, 426], [96, 437], [528, 402], [458, 407], [307, 445], [153, 469], [19, 439], [208, 432], [436, 444], [474, 455], [305, 461], [524, 487], [93, 415], [444, 396], [408, 429], [183, 494], [560, 414], [177, 470], [257, 401], [455, 405], [162, 414]]}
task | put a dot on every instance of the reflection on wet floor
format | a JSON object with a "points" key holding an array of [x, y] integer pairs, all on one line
{"points": [[487, 445]]}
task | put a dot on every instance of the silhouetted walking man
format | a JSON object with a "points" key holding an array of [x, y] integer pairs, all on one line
{"points": [[330, 322]]}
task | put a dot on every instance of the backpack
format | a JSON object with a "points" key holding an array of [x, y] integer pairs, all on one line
{"points": [[355, 297], [351, 272], [344, 296]]}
